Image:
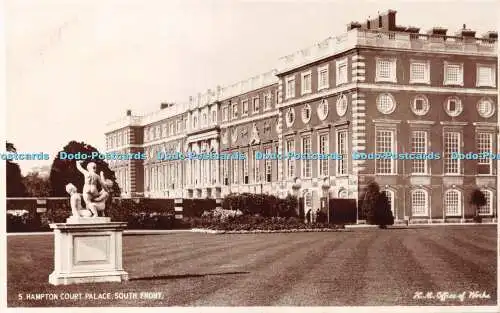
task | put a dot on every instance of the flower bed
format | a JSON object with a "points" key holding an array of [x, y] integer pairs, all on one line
{"points": [[257, 223]]}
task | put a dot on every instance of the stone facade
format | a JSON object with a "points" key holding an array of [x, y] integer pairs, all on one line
{"points": [[377, 88]]}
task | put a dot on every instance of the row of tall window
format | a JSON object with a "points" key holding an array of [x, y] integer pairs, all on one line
{"points": [[163, 176], [122, 179], [164, 130], [453, 204], [385, 142], [117, 140], [386, 71], [249, 106]]}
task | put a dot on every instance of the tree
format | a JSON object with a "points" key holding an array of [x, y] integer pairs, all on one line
{"points": [[383, 213], [478, 199], [15, 187], [36, 186], [64, 171], [376, 206], [369, 203]]}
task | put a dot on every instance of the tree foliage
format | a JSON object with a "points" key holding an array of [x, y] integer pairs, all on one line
{"points": [[15, 187], [36, 186], [376, 206], [478, 199], [64, 171]]}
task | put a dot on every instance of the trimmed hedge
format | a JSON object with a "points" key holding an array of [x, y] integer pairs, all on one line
{"points": [[196, 207], [262, 204], [139, 213]]}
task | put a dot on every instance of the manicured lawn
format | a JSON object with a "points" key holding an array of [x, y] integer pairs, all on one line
{"points": [[361, 267]]}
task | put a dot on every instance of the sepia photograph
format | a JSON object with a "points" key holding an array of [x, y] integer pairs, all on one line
{"points": [[258, 154]]}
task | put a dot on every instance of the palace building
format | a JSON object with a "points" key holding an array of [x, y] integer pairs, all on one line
{"points": [[378, 88]]}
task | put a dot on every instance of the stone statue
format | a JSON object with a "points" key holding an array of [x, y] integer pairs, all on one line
{"points": [[95, 191], [76, 202]]}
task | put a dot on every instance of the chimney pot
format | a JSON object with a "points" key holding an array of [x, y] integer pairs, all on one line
{"points": [[129, 112], [164, 105]]}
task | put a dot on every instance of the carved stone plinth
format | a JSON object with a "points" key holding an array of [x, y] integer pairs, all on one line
{"points": [[87, 250]]}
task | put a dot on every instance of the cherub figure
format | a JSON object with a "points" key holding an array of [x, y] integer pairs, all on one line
{"points": [[92, 182], [75, 200], [96, 188]]}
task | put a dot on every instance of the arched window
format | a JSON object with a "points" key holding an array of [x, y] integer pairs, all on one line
{"points": [[452, 203], [390, 196], [308, 199], [487, 209], [419, 203], [343, 193]]}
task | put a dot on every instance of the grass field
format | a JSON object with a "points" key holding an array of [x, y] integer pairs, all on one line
{"points": [[360, 267]]}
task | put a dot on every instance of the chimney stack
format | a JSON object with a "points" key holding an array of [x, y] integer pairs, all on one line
{"points": [[437, 31], [465, 32], [353, 25], [492, 35], [164, 105], [129, 112]]}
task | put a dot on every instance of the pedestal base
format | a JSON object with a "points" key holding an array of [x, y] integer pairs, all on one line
{"points": [[87, 250], [89, 277]]}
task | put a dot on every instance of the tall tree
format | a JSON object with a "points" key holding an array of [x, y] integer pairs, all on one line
{"points": [[36, 185], [383, 214], [15, 187], [372, 193], [64, 171]]}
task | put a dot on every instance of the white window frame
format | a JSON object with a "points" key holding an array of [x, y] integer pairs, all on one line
{"points": [[245, 104], [323, 109], [492, 82], [425, 150], [489, 198], [323, 164], [482, 149], [245, 169], [290, 92], [426, 106], [290, 111], [460, 203], [290, 148], [306, 107], [225, 113], [393, 103], [256, 168], [268, 101], [268, 166], [426, 203], [446, 67], [392, 149], [392, 75], [342, 147], [427, 76], [253, 105], [306, 89], [341, 79], [343, 192], [492, 107], [234, 111], [321, 69], [214, 116], [447, 160], [306, 162], [458, 106]]}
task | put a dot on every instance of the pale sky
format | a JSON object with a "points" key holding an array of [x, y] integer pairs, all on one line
{"points": [[74, 65]]}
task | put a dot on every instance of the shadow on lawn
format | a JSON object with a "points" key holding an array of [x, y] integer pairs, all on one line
{"points": [[166, 277]]}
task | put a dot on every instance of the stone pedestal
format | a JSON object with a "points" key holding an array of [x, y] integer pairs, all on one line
{"points": [[87, 250]]}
